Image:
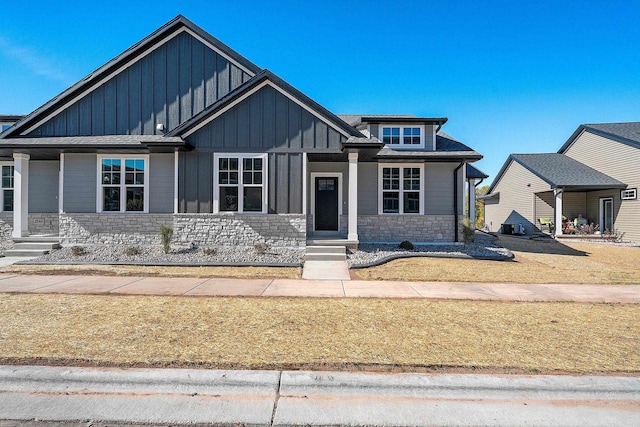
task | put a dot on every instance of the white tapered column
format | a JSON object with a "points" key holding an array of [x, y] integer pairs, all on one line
{"points": [[20, 195], [558, 193], [472, 203], [353, 196]]}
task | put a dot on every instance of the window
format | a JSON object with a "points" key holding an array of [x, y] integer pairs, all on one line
{"points": [[5, 127], [240, 183], [123, 184], [630, 194], [402, 136], [400, 188], [7, 187]]}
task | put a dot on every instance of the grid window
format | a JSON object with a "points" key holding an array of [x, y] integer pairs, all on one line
{"points": [[123, 189], [241, 184], [7, 188], [393, 135], [401, 189]]}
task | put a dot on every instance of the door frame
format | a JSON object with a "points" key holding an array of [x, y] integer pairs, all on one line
{"points": [[601, 213], [315, 175]]}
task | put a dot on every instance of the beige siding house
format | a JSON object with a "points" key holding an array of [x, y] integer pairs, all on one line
{"points": [[595, 174]]}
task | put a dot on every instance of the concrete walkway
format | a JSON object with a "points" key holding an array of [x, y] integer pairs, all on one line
{"points": [[316, 288], [292, 398]]}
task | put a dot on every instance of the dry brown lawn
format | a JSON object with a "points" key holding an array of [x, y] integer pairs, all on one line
{"points": [[535, 262], [290, 333], [153, 271]]}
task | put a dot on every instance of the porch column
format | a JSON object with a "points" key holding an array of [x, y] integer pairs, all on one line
{"points": [[20, 195], [353, 196], [558, 220], [472, 203]]}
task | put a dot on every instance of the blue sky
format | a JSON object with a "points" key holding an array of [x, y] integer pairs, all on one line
{"points": [[511, 77]]}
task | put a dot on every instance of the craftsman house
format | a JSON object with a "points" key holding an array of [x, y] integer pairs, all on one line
{"points": [[181, 130], [594, 178]]}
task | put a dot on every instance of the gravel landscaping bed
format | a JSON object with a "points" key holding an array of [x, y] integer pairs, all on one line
{"points": [[154, 255], [374, 254]]}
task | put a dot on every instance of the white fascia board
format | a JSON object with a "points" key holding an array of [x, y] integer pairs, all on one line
{"points": [[251, 92], [129, 63]]}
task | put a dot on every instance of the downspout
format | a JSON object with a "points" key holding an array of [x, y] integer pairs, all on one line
{"points": [[455, 202]]}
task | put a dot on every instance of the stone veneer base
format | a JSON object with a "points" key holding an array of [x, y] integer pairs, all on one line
{"points": [[226, 229]]}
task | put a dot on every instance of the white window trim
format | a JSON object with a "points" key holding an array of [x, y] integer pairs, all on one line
{"points": [[402, 145], [381, 166], [2, 189], [629, 194], [240, 157], [315, 175], [123, 194]]}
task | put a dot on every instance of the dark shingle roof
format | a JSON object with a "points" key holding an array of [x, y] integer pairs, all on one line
{"points": [[563, 171], [356, 119], [475, 173], [100, 141], [627, 133], [447, 147]]}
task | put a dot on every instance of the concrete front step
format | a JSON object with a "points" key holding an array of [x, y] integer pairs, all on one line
{"points": [[325, 253], [325, 250], [43, 246], [332, 242], [37, 239], [325, 257], [25, 252]]}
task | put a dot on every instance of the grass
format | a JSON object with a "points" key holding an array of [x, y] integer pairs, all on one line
{"points": [[154, 271], [290, 333], [535, 262]]}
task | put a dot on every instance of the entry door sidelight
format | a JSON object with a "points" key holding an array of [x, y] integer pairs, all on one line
{"points": [[326, 215]]}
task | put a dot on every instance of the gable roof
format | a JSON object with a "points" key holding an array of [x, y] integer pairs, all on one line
{"points": [[626, 133], [560, 171], [473, 172], [173, 27], [252, 85], [447, 148]]}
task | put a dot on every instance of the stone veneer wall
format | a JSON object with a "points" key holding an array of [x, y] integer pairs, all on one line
{"points": [[415, 228], [127, 229], [241, 229], [39, 223], [202, 229], [6, 225]]}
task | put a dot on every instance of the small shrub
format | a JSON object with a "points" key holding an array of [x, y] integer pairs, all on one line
{"points": [[209, 251], [133, 251], [261, 248], [614, 235], [166, 234], [406, 245], [467, 231], [78, 250]]}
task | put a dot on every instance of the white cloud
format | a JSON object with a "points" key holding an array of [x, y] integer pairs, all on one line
{"points": [[36, 63]]}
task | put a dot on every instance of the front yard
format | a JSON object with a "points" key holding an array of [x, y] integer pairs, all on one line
{"points": [[535, 262], [291, 333]]}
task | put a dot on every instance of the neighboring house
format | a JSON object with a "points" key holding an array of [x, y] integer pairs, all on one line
{"points": [[181, 130], [595, 174], [6, 121]]}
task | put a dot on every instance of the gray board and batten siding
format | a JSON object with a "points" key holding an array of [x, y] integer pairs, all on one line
{"points": [[80, 175], [266, 121], [43, 186], [169, 85]]}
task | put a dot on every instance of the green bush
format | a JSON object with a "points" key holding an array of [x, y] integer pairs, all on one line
{"points": [[467, 231], [166, 234], [406, 245]]}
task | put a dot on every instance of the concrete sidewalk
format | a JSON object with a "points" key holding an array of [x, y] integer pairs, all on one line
{"points": [[78, 284], [292, 398]]}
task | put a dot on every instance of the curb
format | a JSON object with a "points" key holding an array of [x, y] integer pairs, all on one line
{"points": [[510, 256]]}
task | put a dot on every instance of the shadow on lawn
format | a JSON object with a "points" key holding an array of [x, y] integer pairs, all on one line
{"points": [[546, 246]]}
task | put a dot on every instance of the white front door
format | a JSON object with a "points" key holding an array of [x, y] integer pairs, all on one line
{"points": [[606, 215]]}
